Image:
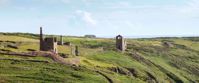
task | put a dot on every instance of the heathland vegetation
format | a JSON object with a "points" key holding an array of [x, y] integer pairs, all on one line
{"points": [[152, 60]]}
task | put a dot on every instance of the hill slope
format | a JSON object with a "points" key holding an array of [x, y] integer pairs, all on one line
{"points": [[146, 60]]}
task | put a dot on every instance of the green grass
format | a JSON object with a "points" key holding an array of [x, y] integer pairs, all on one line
{"points": [[25, 71], [16, 39], [191, 44], [160, 64]]}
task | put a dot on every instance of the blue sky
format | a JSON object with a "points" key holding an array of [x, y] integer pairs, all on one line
{"points": [[101, 17]]}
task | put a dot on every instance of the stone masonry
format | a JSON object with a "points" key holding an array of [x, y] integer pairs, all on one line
{"points": [[48, 43], [120, 43]]}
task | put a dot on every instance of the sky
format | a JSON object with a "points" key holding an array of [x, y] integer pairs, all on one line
{"points": [[101, 17]]}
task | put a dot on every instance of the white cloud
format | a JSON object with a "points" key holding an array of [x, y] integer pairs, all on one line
{"points": [[87, 17]]}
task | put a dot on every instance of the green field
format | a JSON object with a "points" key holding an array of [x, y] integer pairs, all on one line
{"points": [[145, 61]]}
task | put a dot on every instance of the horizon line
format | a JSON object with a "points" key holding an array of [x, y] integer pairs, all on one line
{"points": [[111, 36]]}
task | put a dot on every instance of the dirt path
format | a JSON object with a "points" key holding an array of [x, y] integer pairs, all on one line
{"points": [[59, 59], [54, 56]]}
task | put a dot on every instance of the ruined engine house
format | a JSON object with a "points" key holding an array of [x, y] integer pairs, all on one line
{"points": [[120, 43], [48, 43]]}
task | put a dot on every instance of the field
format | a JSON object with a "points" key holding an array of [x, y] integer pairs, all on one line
{"points": [[144, 61]]}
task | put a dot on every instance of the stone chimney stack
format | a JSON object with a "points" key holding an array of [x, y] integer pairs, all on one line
{"points": [[61, 40], [41, 39]]}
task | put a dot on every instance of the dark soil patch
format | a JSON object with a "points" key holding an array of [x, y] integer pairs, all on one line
{"points": [[12, 46]]}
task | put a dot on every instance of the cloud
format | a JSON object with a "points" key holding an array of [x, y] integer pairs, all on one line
{"points": [[87, 17]]}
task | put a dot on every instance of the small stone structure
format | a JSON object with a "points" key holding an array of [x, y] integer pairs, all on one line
{"points": [[67, 43], [168, 44], [61, 41], [72, 50], [90, 36], [120, 43], [76, 51], [48, 44]]}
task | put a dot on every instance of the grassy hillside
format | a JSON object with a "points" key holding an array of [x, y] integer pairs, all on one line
{"points": [[145, 61]]}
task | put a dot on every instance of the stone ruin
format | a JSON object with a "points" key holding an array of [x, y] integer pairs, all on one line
{"points": [[75, 50], [68, 43], [120, 43], [48, 43], [61, 41], [168, 44]]}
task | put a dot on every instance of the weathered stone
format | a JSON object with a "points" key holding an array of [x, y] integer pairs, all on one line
{"points": [[72, 50], [120, 43], [90, 36], [68, 43], [48, 44], [76, 51], [61, 41], [168, 44]]}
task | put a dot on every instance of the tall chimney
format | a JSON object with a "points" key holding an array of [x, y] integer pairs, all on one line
{"points": [[61, 40], [41, 39]]}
